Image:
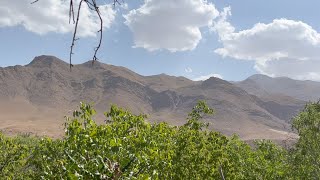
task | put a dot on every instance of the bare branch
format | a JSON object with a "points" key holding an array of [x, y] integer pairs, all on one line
{"points": [[92, 5], [116, 2], [101, 29], [71, 12], [34, 1], [74, 34]]}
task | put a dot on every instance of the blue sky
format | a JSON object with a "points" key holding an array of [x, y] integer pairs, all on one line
{"points": [[230, 43]]}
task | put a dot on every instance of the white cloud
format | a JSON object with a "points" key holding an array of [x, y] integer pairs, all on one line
{"points": [[188, 70], [172, 25], [281, 48], [52, 16], [291, 67], [222, 26], [125, 6], [205, 77]]}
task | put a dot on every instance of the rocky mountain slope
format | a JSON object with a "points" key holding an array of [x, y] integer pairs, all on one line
{"points": [[34, 98], [281, 95], [262, 85]]}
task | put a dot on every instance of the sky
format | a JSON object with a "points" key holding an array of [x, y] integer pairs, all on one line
{"points": [[197, 39]]}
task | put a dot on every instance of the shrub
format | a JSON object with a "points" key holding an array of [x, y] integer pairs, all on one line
{"points": [[128, 147]]}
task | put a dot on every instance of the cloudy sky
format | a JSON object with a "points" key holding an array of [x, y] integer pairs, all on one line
{"points": [[229, 39]]}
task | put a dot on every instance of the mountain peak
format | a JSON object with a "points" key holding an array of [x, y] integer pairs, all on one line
{"points": [[94, 65], [214, 81], [46, 61], [259, 77]]}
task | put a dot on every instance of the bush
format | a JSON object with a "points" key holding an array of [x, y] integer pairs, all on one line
{"points": [[128, 147], [305, 156]]}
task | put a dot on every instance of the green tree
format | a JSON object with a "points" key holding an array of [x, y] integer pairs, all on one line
{"points": [[306, 153], [128, 147]]}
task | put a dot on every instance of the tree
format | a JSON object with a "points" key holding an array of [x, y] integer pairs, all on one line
{"points": [[128, 147], [306, 154]]}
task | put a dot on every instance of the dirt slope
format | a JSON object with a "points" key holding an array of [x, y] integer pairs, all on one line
{"points": [[34, 98]]}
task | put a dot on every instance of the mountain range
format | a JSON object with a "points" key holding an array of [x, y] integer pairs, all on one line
{"points": [[35, 97]]}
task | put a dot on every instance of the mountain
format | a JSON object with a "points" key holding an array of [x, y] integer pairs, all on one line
{"points": [[34, 98], [289, 94], [263, 85]]}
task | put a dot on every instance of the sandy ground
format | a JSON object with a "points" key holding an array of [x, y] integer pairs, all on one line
{"points": [[19, 116]]}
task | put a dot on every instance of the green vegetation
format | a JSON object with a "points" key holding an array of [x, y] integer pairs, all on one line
{"points": [[128, 147]]}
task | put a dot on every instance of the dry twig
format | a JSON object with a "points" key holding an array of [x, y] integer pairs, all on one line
{"points": [[93, 6]]}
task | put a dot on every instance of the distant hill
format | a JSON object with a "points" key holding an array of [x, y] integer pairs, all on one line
{"points": [[35, 97], [263, 85]]}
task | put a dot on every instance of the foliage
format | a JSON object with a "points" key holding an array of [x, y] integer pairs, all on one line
{"points": [[128, 147], [14, 154], [306, 154]]}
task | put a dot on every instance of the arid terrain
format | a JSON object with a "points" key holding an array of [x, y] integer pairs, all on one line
{"points": [[36, 97]]}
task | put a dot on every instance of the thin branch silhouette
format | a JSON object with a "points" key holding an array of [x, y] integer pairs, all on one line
{"points": [[93, 6]]}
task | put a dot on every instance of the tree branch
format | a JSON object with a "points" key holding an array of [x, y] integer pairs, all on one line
{"points": [[92, 5], [100, 39], [34, 1], [74, 39]]}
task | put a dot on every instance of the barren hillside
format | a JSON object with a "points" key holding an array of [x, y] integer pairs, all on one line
{"points": [[35, 97]]}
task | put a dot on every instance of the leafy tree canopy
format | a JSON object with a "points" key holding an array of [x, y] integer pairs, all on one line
{"points": [[128, 147]]}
